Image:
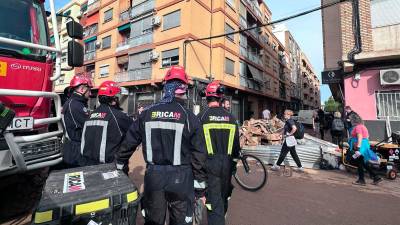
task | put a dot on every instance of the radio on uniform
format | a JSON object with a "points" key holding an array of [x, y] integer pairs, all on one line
{"points": [[88, 195]]}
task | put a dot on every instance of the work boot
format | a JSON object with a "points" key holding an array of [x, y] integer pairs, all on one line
{"points": [[275, 167], [376, 180], [359, 182]]}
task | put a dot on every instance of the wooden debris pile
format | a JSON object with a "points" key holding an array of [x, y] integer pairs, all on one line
{"points": [[256, 132]]}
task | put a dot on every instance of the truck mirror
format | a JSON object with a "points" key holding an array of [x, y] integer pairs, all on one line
{"points": [[75, 54], [74, 30]]}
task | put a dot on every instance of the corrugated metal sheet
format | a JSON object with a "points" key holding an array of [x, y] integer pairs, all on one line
{"points": [[308, 149], [385, 12]]}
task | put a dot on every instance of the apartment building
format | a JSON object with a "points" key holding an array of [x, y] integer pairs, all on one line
{"points": [[135, 42], [71, 9], [304, 83], [368, 80]]}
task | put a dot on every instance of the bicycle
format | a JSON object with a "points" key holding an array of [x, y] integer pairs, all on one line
{"points": [[251, 173]]}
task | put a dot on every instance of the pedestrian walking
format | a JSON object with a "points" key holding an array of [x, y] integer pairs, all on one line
{"points": [[223, 147], [289, 143], [361, 150], [337, 129], [74, 115], [174, 150], [322, 122], [104, 131]]}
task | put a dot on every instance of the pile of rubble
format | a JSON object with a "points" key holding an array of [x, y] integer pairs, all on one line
{"points": [[256, 132]]}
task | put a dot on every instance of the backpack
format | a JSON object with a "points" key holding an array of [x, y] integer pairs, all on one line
{"points": [[299, 134], [337, 125]]}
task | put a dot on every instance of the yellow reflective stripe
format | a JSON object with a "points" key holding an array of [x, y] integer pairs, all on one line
{"points": [[92, 206], [208, 206], [42, 217], [219, 126], [132, 196]]}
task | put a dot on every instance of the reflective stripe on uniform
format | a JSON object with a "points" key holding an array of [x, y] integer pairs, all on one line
{"points": [[199, 185], [104, 125], [177, 127], [219, 126]]}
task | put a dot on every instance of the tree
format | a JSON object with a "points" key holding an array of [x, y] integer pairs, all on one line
{"points": [[331, 105]]}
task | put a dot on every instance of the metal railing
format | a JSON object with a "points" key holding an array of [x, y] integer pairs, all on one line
{"points": [[89, 56], [255, 9], [133, 75], [94, 6], [124, 16], [254, 57], [142, 8], [16, 143], [249, 83], [388, 105], [243, 22], [90, 30], [135, 41]]}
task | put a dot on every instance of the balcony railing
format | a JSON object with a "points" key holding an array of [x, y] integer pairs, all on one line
{"points": [[89, 56], [135, 41], [143, 8], [254, 57], [94, 6], [133, 75], [90, 30], [255, 9], [243, 22], [124, 16], [249, 83]]}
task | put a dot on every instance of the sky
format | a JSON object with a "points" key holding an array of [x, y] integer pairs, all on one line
{"points": [[307, 30]]}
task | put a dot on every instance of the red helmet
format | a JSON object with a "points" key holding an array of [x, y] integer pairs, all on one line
{"points": [[176, 72], [80, 80], [215, 89], [109, 88]]}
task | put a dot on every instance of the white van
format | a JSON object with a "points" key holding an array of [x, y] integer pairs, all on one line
{"points": [[306, 117]]}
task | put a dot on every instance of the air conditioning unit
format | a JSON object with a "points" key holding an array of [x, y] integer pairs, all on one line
{"points": [[261, 52], [154, 55], [98, 44], [156, 21], [390, 77]]}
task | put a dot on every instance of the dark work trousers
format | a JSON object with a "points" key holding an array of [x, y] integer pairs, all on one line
{"points": [[219, 172], [168, 187], [361, 165], [72, 154], [284, 151], [337, 137], [322, 132]]}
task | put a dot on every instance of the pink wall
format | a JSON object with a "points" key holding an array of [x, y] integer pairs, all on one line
{"points": [[360, 95]]}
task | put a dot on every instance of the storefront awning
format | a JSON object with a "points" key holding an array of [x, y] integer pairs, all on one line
{"points": [[124, 27], [256, 74], [90, 39]]}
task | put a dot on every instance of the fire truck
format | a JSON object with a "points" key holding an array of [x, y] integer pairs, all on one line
{"points": [[29, 65]]}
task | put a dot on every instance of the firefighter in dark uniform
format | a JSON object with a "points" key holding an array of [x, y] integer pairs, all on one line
{"points": [[222, 141], [75, 113], [174, 151], [104, 131]]}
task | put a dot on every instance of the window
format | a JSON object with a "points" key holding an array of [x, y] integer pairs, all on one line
{"points": [[388, 105], [108, 15], [231, 3], [106, 42], [229, 29], [229, 66], [67, 13], [104, 71], [172, 20], [90, 46], [170, 57], [385, 13]]}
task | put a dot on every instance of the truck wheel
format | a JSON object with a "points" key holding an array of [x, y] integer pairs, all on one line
{"points": [[392, 174]]}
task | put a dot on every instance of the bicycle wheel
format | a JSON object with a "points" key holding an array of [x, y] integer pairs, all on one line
{"points": [[251, 173]]}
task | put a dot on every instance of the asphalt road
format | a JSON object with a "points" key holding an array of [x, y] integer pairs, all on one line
{"points": [[314, 197]]}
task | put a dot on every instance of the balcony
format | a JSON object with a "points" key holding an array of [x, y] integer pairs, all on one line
{"points": [[135, 41], [124, 15], [95, 6], [249, 83], [90, 30], [255, 9], [89, 56], [243, 22], [133, 75], [143, 8]]}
